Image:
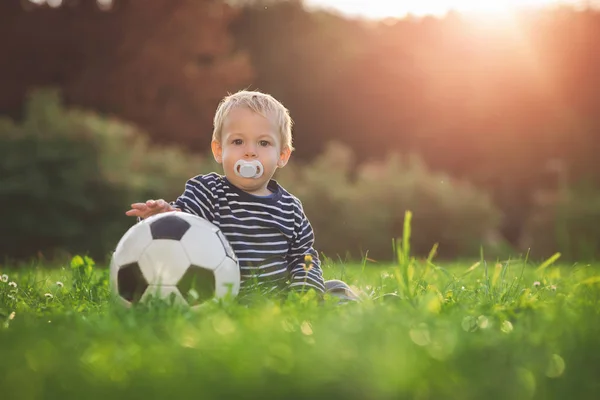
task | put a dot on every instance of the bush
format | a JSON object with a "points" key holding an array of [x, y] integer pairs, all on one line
{"points": [[67, 177], [355, 210], [566, 221]]}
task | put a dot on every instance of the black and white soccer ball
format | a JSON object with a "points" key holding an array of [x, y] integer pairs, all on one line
{"points": [[174, 256]]}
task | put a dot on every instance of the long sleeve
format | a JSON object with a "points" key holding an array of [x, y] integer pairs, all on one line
{"points": [[198, 197], [304, 265]]}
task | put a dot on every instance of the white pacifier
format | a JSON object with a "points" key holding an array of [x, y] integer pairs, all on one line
{"points": [[249, 169]]}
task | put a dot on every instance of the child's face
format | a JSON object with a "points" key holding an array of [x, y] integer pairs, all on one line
{"points": [[249, 136]]}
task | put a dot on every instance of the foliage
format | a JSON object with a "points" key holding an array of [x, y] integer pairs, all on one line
{"points": [[69, 176], [360, 209], [510, 330], [49, 175], [568, 222], [73, 174], [489, 105], [162, 65]]}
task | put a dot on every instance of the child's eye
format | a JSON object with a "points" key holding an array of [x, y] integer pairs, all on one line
{"points": [[237, 142], [264, 143]]}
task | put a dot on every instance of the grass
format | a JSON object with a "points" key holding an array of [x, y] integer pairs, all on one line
{"points": [[423, 330], [509, 330]]}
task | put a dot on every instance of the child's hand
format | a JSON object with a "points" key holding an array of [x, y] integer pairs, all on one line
{"points": [[149, 208]]}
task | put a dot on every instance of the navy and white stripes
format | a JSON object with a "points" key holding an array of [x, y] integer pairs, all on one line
{"points": [[271, 236]]}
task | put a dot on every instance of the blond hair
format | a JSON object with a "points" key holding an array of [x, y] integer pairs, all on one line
{"points": [[260, 103]]}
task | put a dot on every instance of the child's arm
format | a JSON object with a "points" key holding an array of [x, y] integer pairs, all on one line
{"points": [[198, 198], [303, 260]]}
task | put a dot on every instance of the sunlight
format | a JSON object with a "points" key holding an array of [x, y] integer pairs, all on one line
{"points": [[497, 18], [387, 8], [494, 6]]}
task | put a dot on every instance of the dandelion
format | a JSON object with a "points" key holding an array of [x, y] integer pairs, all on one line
{"points": [[13, 284], [308, 262], [48, 295], [59, 284], [536, 284], [462, 288], [4, 278]]}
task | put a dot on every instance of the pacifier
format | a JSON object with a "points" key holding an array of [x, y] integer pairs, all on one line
{"points": [[249, 169]]}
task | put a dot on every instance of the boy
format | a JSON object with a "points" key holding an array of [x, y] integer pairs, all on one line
{"points": [[265, 224]]}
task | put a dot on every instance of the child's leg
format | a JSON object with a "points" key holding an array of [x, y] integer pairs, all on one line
{"points": [[341, 290]]}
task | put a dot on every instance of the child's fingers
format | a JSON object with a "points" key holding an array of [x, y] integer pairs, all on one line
{"points": [[134, 213], [156, 203], [149, 208], [138, 210], [139, 206]]}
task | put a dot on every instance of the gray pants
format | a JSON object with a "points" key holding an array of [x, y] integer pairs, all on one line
{"points": [[341, 290]]}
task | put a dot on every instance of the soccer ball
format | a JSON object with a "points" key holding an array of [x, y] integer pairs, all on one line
{"points": [[175, 256]]}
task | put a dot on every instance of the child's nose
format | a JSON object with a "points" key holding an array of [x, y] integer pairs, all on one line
{"points": [[250, 151]]}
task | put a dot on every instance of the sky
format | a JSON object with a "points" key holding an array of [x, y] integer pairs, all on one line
{"points": [[399, 8]]}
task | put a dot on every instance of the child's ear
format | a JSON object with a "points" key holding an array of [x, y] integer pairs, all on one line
{"points": [[284, 157], [217, 151]]}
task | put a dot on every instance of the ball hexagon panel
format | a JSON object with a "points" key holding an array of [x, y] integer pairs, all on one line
{"points": [[203, 247], [197, 285], [228, 278], [168, 226], [131, 283], [164, 262], [166, 293]]}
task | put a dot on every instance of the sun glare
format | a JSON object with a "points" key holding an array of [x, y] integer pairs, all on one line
{"points": [[493, 6], [396, 8]]}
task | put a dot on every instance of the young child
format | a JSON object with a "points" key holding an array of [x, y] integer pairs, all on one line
{"points": [[265, 224]]}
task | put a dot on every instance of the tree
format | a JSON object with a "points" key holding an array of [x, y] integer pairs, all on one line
{"points": [[162, 65]]}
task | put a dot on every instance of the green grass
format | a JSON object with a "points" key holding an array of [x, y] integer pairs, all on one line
{"points": [[423, 331]]}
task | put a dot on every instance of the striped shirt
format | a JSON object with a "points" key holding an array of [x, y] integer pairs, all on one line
{"points": [[271, 236]]}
